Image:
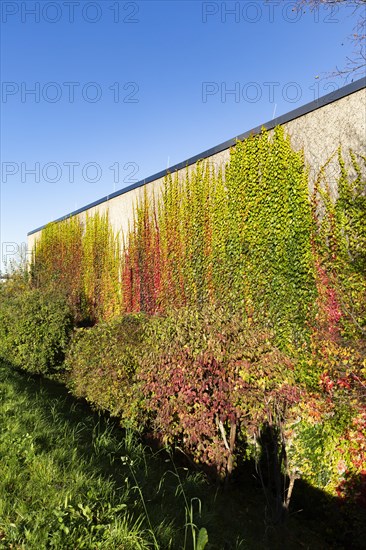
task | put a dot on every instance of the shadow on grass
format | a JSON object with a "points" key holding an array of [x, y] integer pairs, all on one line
{"points": [[235, 518]]}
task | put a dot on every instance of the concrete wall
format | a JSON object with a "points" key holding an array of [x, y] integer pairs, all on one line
{"points": [[320, 132], [318, 128]]}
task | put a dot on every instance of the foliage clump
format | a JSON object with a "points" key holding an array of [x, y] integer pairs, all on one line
{"points": [[254, 293], [101, 364], [35, 328], [208, 378], [240, 236], [81, 260]]}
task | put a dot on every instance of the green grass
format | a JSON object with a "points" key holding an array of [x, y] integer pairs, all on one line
{"points": [[71, 479]]}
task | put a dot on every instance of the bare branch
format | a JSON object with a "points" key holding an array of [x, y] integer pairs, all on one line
{"points": [[355, 65]]}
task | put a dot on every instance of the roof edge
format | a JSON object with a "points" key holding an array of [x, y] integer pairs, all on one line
{"points": [[283, 119]]}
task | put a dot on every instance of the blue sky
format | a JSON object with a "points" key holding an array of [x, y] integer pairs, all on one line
{"points": [[138, 86]]}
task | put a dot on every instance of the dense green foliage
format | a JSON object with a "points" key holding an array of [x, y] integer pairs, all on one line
{"points": [[231, 323], [72, 479], [102, 361], [241, 237], [80, 259], [35, 328]]}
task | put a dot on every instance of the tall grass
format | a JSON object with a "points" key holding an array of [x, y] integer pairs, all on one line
{"points": [[70, 478]]}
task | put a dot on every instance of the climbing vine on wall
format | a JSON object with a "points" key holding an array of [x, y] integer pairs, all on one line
{"points": [[248, 238], [57, 261], [338, 329], [101, 268], [82, 260], [243, 236]]}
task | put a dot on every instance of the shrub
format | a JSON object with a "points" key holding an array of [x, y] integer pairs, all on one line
{"points": [[35, 328], [102, 361], [208, 376]]}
